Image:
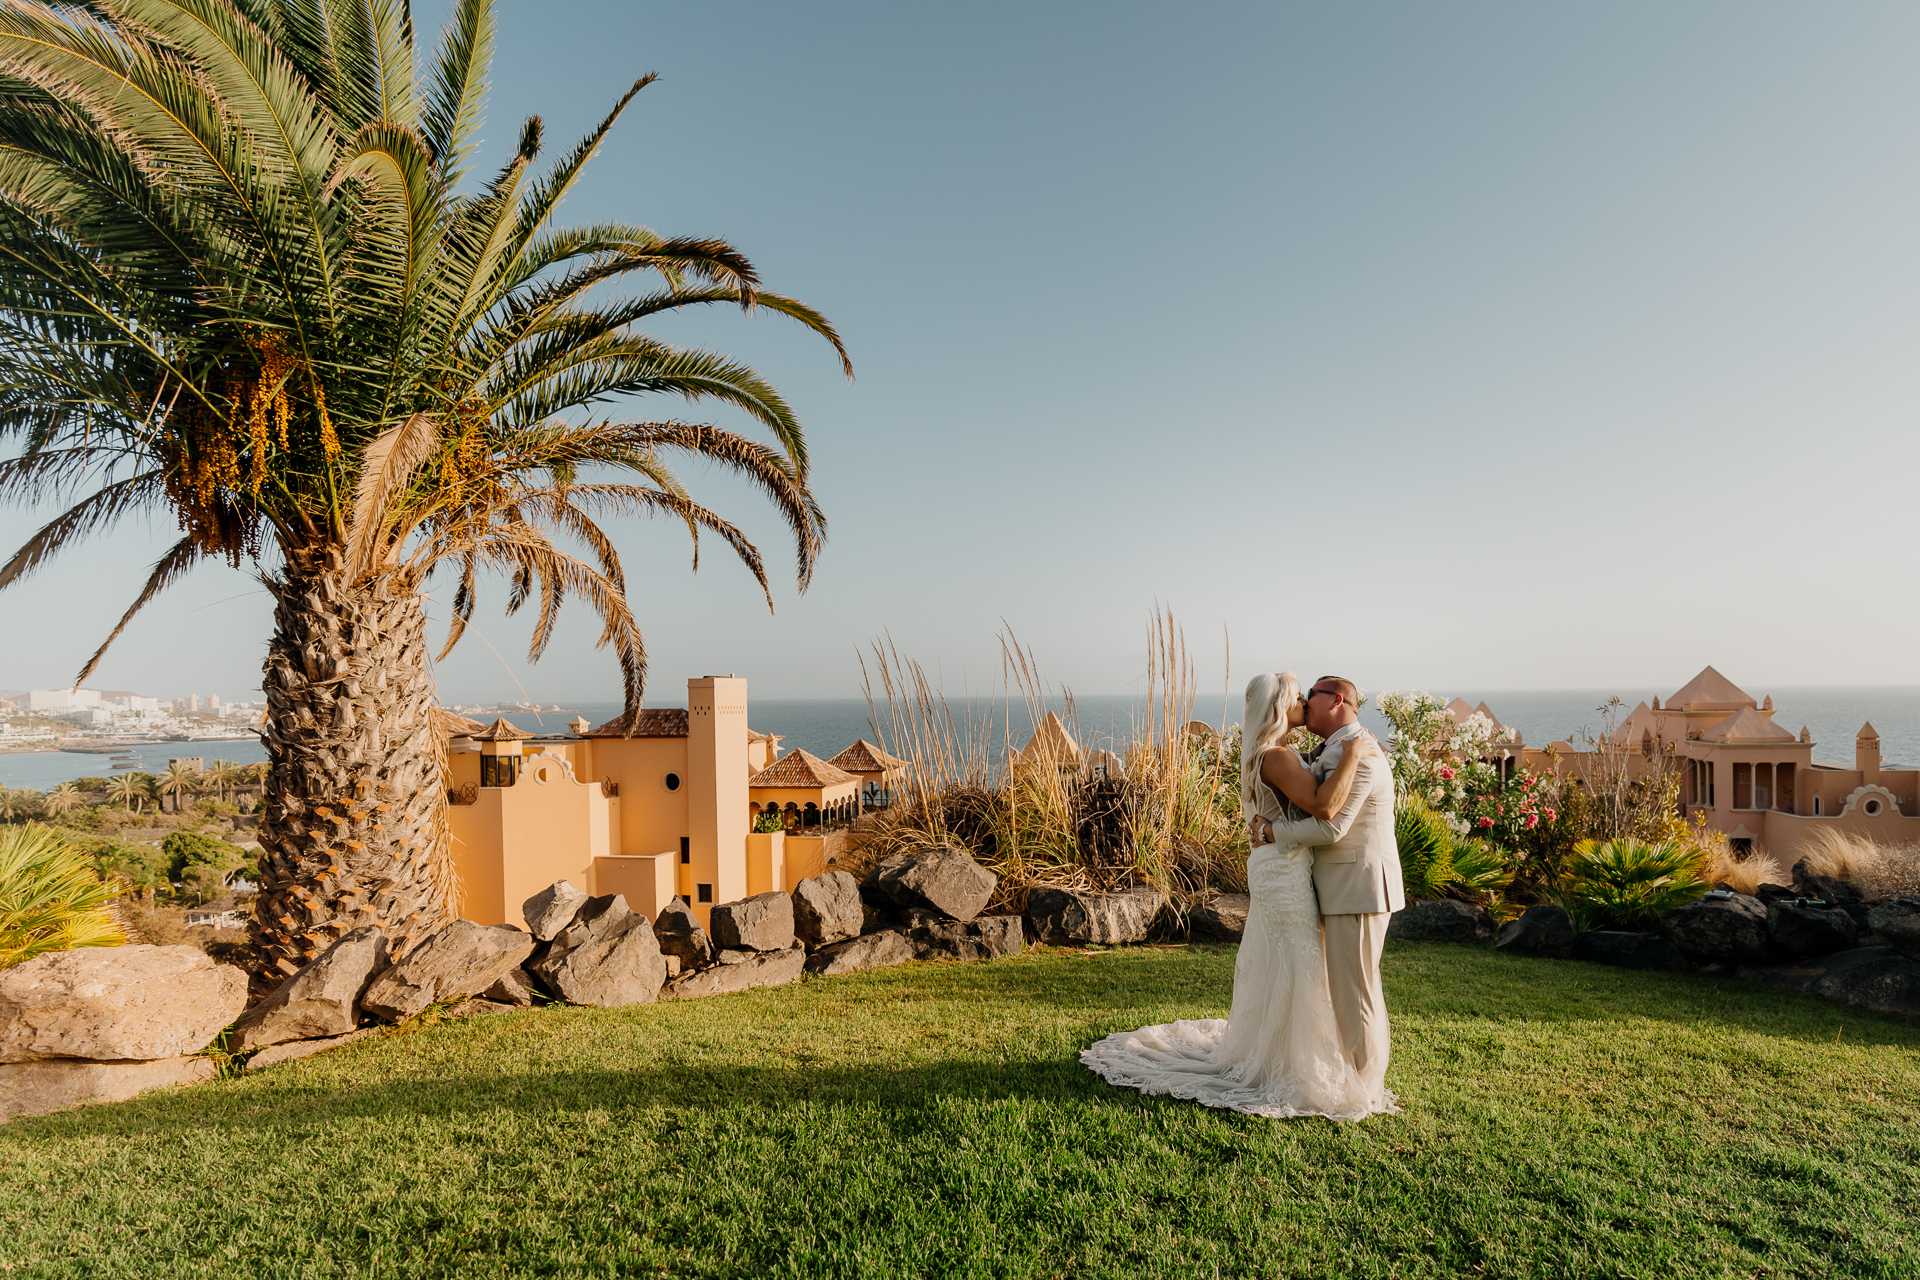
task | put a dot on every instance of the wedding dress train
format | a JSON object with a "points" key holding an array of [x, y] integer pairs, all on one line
{"points": [[1278, 1053]]}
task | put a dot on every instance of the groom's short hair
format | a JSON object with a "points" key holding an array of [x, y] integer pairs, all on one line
{"points": [[1349, 692]]}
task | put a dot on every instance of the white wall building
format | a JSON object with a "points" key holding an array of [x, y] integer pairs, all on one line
{"points": [[61, 700]]}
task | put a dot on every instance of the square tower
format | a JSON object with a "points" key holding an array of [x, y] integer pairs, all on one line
{"points": [[716, 791]]}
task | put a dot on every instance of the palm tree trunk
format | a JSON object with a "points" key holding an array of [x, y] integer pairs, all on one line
{"points": [[354, 828]]}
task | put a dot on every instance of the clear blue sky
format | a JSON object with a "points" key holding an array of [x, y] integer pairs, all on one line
{"points": [[1466, 345]]}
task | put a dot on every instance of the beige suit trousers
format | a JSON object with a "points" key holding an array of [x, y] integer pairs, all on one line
{"points": [[1354, 944]]}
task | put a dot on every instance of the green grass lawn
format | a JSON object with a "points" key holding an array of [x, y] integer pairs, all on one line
{"points": [[1562, 1119]]}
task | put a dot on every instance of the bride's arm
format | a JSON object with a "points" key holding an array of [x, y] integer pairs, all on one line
{"points": [[1285, 773]]}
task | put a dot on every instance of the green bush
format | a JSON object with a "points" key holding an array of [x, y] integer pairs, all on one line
{"points": [[188, 850], [51, 899], [1627, 883], [1426, 847], [768, 822], [1481, 869]]}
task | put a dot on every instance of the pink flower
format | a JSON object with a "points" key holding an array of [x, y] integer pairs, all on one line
{"points": [[1550, 815], [1447, 774], [1532, 821], [1484, 822]]}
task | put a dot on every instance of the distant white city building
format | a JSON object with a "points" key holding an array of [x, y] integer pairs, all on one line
{"points": [[60, 700], [137, 704]]}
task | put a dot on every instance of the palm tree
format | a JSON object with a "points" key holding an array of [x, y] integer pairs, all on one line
{"points": [[18, 806], [130, 789], [65, 798], [242, 282], [221, 776], [178, 780]]}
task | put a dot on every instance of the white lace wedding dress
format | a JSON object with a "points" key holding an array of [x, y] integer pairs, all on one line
{"points": [[1277, 1054]]}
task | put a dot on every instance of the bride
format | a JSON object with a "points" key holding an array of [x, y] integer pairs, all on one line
{"points": [[1278, 1052]]}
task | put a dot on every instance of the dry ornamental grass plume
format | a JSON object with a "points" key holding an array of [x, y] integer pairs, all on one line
{"points": [[251, 280], [1878, 871], [1162, 808]]}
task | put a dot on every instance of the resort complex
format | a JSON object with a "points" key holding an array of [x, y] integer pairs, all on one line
{"points": [[1750, 778], [675, 803]]}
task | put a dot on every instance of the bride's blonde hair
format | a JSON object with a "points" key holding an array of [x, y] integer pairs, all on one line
{"points": [[1263, 725]]}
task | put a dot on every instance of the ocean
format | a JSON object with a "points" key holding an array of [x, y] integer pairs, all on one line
{"points": [[823, 726]]}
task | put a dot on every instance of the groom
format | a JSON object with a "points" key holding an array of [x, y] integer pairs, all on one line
{"points": [[1356, 875]]}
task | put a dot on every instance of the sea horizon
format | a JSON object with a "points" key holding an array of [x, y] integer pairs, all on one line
{"points": [[825, 726]]}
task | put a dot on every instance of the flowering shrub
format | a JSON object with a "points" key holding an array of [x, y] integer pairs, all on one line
{"points": [[1433, 757]]}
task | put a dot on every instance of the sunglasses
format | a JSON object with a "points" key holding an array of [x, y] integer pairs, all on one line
{"points": [[1331, 693]]}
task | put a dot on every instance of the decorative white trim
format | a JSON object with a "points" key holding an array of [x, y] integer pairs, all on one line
{"points": [[565, 765], [1860, 795]]}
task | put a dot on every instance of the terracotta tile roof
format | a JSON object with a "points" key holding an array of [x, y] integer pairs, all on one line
{"points": [[1748, 725], [1708, 690], [1051, 742], [799, 768], [501, 731], [668, 722], [455, 725], [864, 757]]}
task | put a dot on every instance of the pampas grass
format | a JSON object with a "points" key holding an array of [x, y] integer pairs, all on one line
{"points": [[1878, 871], [1167, 816]]}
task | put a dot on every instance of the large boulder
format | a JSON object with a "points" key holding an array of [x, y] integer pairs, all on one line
{"points": [[679, 933], [1442, 920], [1631, 951], [1223, 917], [515, 989], [116, 1004], [763, 922], [553, 909], [827, 909], [288, 1051], [1720, 930], [868, 951], [35, 1088], [322, 999], [1541, 930], [944, 881], [1876, 978], [461, 960], [982, 938], [1809, 930], [766, 969], [1806, 884], [1062, 916], [608, 956], [1898, 922]]}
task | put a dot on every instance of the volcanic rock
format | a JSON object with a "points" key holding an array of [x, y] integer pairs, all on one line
{"points": [[982, 938], [323, 998], [679, 933], [1631, 951], [608, 956], [943, 880], [1441, 920], [133, 1003], [1809, 930], [36, 1088], [763, 922], [766, 969], [1541, 930], [461, 960], [1727, 930], [868, 951], [1062, 916], [827, 909], [1223, 917], [553, 909]]}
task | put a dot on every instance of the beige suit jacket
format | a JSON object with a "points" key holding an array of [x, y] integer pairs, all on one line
{"points": [[1356, 860]]}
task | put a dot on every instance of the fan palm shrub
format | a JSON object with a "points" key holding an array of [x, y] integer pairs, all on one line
{"points": [[246, 282], [65, 798], [50, 897], [1627, 883], [1427, 846]]}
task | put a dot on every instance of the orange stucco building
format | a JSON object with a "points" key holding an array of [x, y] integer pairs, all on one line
{"points": [[653, 809], [1753, 779]]}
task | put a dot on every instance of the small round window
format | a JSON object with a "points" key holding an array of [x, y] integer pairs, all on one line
{"points": [[1872, 807], [673, 782]]}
